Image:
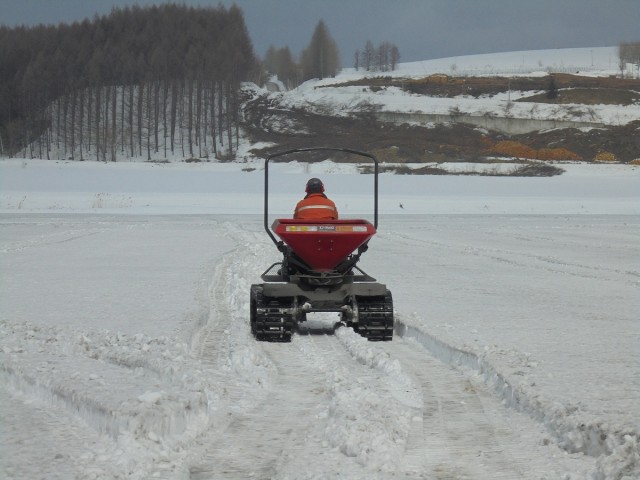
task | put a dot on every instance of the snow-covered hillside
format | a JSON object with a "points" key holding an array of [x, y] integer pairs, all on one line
{"points": [[341, 100], [125, 349], [325, 97]]}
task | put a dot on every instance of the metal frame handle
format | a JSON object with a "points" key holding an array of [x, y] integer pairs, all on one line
{"points": [[310, 149]]}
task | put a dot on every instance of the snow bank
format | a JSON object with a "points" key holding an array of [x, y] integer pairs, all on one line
{"points": [[574, 431]]}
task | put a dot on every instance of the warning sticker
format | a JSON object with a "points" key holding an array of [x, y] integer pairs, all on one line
{"points": [[326, 228], [302, 228]]}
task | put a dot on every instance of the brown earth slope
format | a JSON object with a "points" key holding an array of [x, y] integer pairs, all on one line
{"points": [[267, 121]]}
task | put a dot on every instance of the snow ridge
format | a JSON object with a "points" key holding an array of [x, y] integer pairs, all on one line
{"points": [[366, 420], [615, 446], [160, 404]]}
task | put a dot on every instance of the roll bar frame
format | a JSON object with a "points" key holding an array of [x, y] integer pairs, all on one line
{"points": [[312, 149]]}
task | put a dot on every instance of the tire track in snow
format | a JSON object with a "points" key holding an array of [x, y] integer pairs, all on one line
{"points": [[571, 433], [323, 394], [460, 430], [257, 441], [113, 384], [271, 394], [310, 402], [248, 379], [458, 437], [324, 404], [371, 404], [58, 429], [572, 429], [337, 395], [49, 239]]}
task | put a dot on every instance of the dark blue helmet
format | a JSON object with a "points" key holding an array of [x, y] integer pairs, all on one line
{"points": [[314, 185]]}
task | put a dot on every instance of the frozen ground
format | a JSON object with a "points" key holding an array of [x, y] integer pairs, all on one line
{"points": [[125, 349]]}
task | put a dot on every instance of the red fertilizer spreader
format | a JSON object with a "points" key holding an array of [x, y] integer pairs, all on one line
{"points": [[323, 245]]}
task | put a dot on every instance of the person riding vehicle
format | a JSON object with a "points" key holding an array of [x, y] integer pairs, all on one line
{"points": [[315, 205]]}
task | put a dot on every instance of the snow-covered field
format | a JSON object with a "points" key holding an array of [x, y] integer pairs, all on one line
{"points": [[125, 349]]}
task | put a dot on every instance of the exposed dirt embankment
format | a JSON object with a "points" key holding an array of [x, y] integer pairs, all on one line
{"points": [[601, 90], [267, 121]]}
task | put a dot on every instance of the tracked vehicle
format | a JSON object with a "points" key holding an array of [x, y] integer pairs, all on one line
{"points": [[319, 272]]}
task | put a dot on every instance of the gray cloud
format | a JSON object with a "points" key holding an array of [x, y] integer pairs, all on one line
{"points": [[421, 29]]}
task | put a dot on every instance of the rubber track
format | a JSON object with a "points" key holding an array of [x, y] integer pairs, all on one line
{"points": [[375, 320], [268, 323]]}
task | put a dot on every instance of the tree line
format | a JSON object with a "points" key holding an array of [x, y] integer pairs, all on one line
{"points": [[139, 82], [320, 59], [384, 58]]}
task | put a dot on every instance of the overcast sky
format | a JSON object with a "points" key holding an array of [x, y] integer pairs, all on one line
{"points": [[421, 29]]}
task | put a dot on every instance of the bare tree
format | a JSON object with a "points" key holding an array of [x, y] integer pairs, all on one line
{"points": [[368, 56], [394, 57], [281, 62], [101, 86], [382, 59], [321, 58]]}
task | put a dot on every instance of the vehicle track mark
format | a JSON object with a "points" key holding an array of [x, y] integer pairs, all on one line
{"points": [[256, 441], [459, 439], [50, 239]]}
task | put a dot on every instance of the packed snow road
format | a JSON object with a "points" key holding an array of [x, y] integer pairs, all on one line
{"points": [[126, 353]]}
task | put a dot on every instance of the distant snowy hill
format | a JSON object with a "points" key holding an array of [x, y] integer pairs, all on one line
{"points": [[585, 61], [343, 100], [595, 61]]}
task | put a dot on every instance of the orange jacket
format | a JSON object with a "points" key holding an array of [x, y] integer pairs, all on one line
{"points": [[316, 206]]}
